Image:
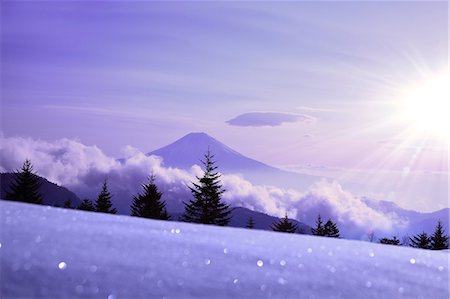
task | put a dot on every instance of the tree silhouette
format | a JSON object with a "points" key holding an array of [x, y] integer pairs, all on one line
{"points": [[86, 205], [420, 241], [207, 206], [103, 203], [284, 225], [149, 203], [331, 229], [439, 240], [25, 185], [250, 223], [320, 229], [393, 241], [68, 204]]}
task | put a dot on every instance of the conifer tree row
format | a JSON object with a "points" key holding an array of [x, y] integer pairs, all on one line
{"points": [[390, 241], [207, 206], [86, 205], [329, 229]]}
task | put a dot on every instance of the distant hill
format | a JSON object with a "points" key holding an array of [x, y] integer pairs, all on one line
{"points": [[262, 221], [417, 221], [51, 192]]}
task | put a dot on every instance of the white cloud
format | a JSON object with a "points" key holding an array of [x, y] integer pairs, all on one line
{"points": [[271, 119], [82, 168]]}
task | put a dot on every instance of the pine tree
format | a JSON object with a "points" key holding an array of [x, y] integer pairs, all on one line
{"points": [[320, 229], [103, 203], [86, 205], [149, 203], [207, 206], [439, 240], [68, 204], [25, 185], [393, 241], [420, 241], [284, 225], [250, 223], [331, 229]]}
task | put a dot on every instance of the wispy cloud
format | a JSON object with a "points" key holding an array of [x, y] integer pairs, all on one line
{"points": [[314, 109], [271, 119]]}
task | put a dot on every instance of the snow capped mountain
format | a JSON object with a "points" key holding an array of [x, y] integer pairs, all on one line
{"points": [[190, 149]]}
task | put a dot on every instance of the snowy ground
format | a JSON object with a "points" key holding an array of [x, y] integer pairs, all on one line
{"points": [[56, 253]]}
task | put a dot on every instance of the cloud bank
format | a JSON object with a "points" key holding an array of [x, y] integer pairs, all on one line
{"points": [[270, 119], [82, 169]]}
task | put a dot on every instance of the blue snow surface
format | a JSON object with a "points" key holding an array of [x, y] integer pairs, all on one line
{"points": [[51, 252]]}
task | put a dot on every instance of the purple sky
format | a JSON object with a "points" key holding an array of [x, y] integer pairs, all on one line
{"points": [[146, 73]]}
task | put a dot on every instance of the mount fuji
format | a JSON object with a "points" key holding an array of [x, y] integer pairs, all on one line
{"points": [[190, 149]]}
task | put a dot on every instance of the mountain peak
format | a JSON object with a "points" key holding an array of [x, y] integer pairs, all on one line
{"points": [[190, 149], [197, 136]]}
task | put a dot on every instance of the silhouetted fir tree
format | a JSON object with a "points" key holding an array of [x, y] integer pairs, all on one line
{"points": [[331, 229], [207, 206], [420, 241], [320, 229], [86, 205], [25, 185], [250, 223], [284, 225], [393, 241], [439, 240], [68, 204], [149, 203], [103, 203]]}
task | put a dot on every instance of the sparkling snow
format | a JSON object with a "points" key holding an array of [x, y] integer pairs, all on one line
{"points": [[51, 252]]}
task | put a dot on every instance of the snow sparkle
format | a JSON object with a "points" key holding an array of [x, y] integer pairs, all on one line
{"points": [[62, 265], [260, 263]]}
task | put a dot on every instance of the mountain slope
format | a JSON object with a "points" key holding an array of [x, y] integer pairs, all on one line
{"points": [[190, 149], [76, 254], [417, 222], [51, 193]]}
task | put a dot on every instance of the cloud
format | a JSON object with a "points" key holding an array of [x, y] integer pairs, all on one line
{"points": [[314, 109], [82, 169], [271, 119]]}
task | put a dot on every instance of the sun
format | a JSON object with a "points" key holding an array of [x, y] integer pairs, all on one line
{"points": [[426, 108]]}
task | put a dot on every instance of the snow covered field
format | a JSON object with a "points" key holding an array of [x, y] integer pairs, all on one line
{"points": [[56, 253]]}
